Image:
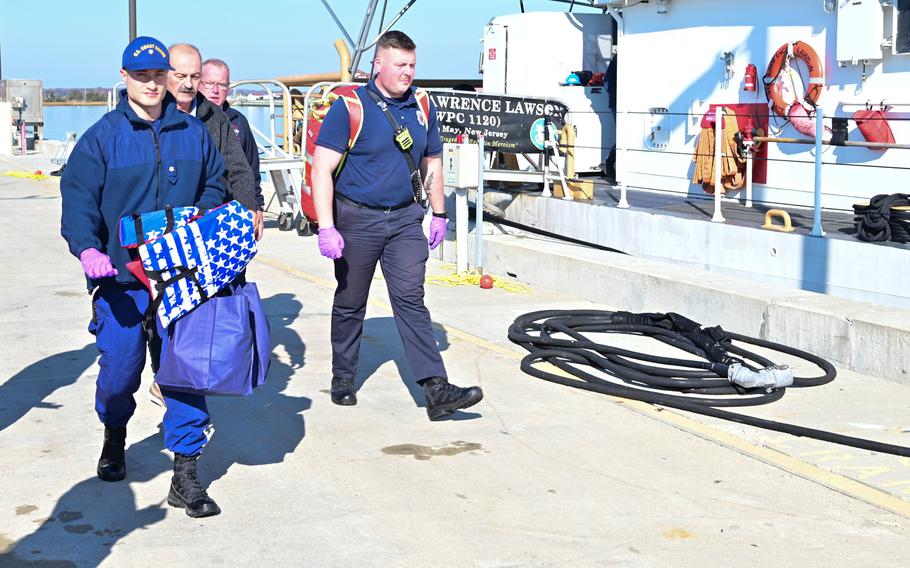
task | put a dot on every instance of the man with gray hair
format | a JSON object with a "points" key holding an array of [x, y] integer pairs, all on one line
{"points": [[183, 84], [215, 83]]}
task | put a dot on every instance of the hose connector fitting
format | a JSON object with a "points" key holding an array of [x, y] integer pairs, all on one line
{"points": [[775, 376]]}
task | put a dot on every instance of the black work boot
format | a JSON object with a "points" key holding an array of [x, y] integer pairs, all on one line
{"points": [[444, 398], [186, 492], [112, 464], [343, 392]]}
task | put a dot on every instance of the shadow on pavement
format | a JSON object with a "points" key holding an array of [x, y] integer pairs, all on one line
{"points": [[28, 388], [267, 426], [91, 517], [381, 343]]}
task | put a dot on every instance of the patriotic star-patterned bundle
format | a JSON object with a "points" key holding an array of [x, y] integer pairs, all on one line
{"points": [[153, 224], [198, 259]]}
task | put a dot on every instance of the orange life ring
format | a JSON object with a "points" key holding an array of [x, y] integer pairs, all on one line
{"points": [[805, 52]]}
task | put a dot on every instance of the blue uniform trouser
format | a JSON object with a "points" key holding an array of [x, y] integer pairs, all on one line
{"points": [[118, 314], [395, 239]]}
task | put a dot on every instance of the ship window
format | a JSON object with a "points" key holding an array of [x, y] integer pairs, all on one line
{"points": [[902, 37]]}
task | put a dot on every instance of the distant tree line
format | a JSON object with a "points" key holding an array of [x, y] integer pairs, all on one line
{"points": [[97, 94]]}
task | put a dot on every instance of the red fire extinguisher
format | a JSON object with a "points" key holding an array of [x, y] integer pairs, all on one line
{"points": [[751, 78]]}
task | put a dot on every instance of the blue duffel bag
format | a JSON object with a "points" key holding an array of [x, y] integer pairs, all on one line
{"points": [[222, 347]]}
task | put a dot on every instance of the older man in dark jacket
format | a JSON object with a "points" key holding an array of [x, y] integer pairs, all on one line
{"points": [[238, 181], [183, 84], [216, 81]]}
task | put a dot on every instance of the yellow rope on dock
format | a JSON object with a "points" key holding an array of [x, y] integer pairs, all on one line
{"points": [[472, 278], [27, 175], [469, 278]]}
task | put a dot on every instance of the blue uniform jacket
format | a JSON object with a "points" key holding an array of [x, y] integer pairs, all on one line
{"points": [[121, 165], [375, 171]]}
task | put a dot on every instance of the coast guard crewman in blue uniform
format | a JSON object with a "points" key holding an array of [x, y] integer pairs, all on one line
{"points": [[140, 157], [368, 213]]}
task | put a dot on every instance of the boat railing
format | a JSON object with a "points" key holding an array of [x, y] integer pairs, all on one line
{"points": [[113, 94], [62, 155], [278, 143], [632, 124]]}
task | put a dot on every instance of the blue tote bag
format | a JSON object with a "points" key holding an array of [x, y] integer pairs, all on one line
{"points": [[222, 347]]}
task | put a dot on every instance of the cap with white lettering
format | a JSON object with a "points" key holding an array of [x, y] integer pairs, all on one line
{"points": [[146, 53]]}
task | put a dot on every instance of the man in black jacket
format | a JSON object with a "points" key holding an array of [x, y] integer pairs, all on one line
{"points": [[215, 83], [183, 84]]}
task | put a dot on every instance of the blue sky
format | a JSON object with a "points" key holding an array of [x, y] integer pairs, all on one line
{"points": [[78, 43]]}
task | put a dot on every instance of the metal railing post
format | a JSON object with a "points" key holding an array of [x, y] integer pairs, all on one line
{"points": [[623, 185], [817, 210], [478, 206], [718, 163], [461, 230], [750, 157], [559, 170]]}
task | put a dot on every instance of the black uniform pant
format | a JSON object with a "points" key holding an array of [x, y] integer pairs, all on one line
{"points": [[395, 239]]}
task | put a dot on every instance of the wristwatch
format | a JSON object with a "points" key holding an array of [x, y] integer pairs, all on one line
{"points": [[442, 215]]}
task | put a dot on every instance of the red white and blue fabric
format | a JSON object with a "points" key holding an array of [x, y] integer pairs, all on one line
{"points": [[152, 224], [196, 260]]}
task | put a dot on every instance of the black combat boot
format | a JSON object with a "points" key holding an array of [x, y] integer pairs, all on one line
{"points": [[112, 464], [343, 392], [444, 398], [186, 492]]}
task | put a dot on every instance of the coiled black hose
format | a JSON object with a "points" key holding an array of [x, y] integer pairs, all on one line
{"points": [[899, 223], [699, 386], [879, 222]]}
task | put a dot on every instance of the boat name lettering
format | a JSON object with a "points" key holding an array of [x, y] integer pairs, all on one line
{"points": [[504, 121]]}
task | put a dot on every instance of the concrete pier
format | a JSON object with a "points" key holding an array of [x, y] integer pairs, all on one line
{"points": [[535, 475]]}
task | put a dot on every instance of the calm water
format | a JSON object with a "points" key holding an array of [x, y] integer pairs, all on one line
{"points": [[58, 120]]}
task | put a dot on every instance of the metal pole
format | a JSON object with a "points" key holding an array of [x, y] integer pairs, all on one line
{"points": [[750, 156], [478, 207], [848, 143], [391, 23], [338, 23], [132, 20], [624, 169], [362, 37], [622, 140], [817, 212], [718, 165], [22, 142], [461, 229], [566, 194], [385, 4]]}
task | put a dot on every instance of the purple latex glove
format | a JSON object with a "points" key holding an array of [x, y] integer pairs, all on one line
{"points": [[330, 243], [437, 231], [96, 264]]}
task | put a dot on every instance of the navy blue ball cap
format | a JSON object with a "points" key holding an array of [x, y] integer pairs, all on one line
{"points": [[146, 53]]}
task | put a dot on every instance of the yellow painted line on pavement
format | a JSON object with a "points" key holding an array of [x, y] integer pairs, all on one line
{"points": [[837, 482]]}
